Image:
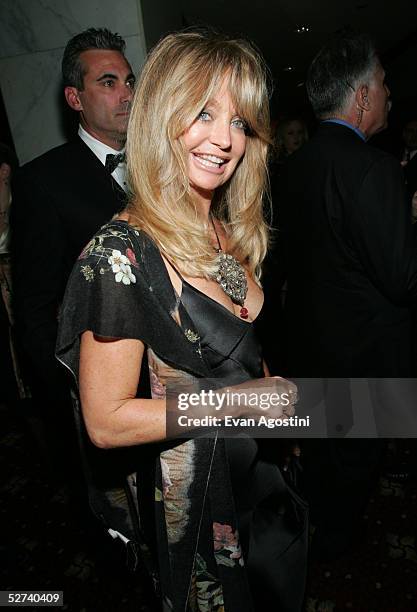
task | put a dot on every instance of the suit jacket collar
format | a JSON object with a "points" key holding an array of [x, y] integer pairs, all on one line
{"points": [[95, 169], [339, 129], [357, 131], [100, 149]]}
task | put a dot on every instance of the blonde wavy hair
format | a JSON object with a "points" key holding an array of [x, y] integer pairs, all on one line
{"points": [[182, 73]]}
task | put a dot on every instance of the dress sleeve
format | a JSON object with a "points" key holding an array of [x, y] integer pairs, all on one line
{"points": [[107, 294]]}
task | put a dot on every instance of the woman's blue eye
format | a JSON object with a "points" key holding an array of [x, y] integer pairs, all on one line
{"points": [[239, 123], [204, 116]]}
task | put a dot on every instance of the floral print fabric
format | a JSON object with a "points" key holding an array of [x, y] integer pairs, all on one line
{"points": [[119, 288]]}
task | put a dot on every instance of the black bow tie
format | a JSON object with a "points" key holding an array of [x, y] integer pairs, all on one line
{"points": [[113, 160]]}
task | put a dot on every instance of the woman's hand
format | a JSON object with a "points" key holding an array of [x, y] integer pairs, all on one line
{"points": [[195, 407], [271, 396]]}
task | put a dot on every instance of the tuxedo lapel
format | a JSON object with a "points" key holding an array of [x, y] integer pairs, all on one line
{"points": [[95, 175]]}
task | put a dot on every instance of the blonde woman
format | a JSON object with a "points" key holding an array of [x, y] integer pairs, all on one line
{"points": [[177, 276]]}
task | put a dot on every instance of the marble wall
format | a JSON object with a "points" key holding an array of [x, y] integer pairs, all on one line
{"points": [[33, 35]]}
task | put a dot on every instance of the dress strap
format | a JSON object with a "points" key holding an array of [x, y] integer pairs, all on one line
{"points": [[177, 272]]}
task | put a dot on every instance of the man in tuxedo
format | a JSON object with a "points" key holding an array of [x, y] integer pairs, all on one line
{"points": [[351, 265], [60, 200]]}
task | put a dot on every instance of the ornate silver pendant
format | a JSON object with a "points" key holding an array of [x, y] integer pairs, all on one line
{"points": [[232, 278]]}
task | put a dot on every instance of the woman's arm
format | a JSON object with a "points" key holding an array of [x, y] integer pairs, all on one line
{"points": [[108, 377]]}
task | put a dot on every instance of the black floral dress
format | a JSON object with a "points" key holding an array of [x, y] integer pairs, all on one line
{"points": [[217, 512]]}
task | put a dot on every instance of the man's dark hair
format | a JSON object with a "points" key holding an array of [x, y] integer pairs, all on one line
{"points": [[348, 60], [101, 38]]}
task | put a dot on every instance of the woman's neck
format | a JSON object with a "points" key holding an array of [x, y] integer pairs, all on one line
{"points": [[202, 199]]}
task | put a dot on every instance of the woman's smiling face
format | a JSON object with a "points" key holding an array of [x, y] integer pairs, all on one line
{"points": [[215, 143]]}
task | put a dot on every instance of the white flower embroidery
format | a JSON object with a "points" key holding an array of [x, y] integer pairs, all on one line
{"points": [[120, 265]]}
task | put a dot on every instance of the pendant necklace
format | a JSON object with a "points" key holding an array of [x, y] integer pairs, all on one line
{"points": [[231, 276]]}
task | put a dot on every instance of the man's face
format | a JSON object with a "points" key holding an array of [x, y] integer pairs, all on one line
{"points": [[105, 100], [379, 104]]}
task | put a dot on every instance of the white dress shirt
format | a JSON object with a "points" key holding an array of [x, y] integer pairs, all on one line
{"points": [[101, 150]]}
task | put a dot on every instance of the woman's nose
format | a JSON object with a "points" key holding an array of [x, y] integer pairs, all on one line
{"points": [[220, 134]]}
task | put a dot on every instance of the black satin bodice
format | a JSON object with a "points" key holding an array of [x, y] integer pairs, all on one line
{"points": [[229, 345]]}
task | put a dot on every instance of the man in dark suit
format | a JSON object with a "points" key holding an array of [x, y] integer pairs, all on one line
{"points": [[351, 263], [60, 200]]}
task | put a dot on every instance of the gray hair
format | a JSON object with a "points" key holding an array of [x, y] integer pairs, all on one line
{"points": [[347, 61]]}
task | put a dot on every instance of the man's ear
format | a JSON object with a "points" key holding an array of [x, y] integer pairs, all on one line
{"points": [[73, 99], [362, 100]]}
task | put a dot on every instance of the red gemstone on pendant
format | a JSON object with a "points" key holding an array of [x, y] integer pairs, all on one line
{"points": [[244, 313]]}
